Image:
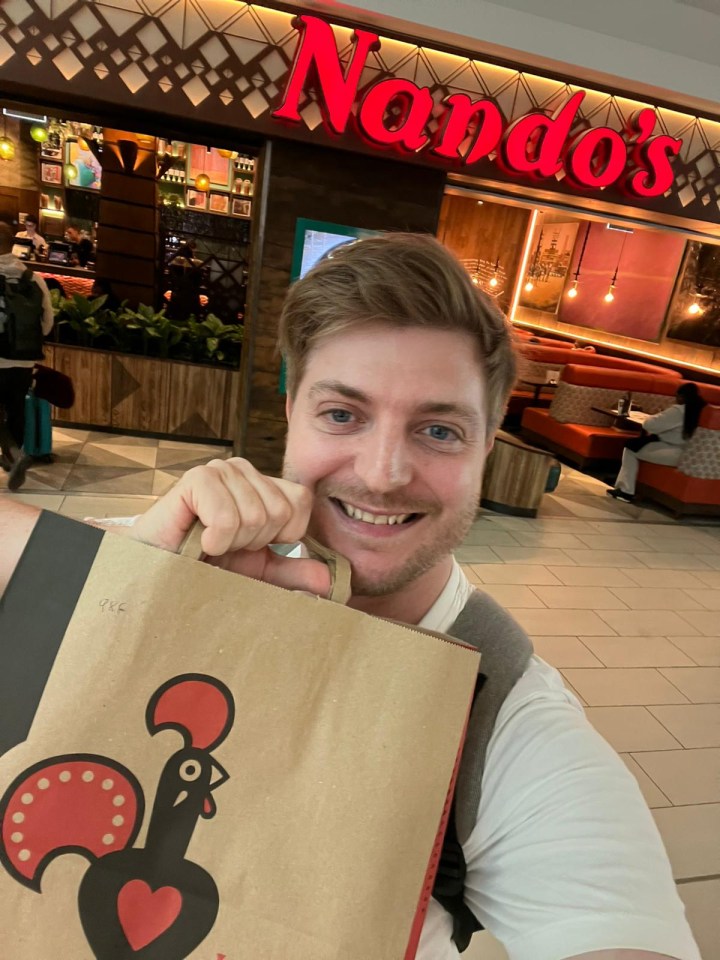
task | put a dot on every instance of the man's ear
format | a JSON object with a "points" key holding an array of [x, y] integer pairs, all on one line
{"points": [[489, 445]]}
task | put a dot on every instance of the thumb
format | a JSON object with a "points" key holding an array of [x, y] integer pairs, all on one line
{"points": [[311, 576]]}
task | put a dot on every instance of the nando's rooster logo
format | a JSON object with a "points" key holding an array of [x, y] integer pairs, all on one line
{"points": [[145, 903]]}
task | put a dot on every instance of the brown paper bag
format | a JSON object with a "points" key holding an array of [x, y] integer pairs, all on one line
{"points": [[195, 764]]}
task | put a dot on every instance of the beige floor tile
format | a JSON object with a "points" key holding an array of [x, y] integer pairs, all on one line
{"points": [[701, 907], [637, 652], [627, 687], [556, 623], [671, 544], [484, 946], [692, 839], [605, 558], [512, 595], [656, 598], [544, 555], [44, 501], [527, 574], [705, 651], [711, 578], [705, 622], [712, 560], [573, 691], [564, 652], [654, 797], [684, 776], [693, 724], [699, 684], [673, 579], [674, 561], [79, 506], [475, 555], [709, 599], [559, 525], [592, 576], [548, 538], [646, 623], [599, 541], [579, 598], [628, 729], [486, 535]]}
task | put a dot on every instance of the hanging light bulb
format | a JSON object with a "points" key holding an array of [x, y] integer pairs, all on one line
{"points": [[610, 295], [493, 282], [529, 286], [202, 182], [39, 133], [228, 154], [7, 149], [694, 309], [573, 291], [70, 171]]}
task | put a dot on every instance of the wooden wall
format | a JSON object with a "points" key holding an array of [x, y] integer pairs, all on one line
{"points": [[489, 231], [127, 246], [319, 184]]}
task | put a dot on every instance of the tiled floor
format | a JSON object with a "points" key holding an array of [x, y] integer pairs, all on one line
{"points": [[623, 600]]}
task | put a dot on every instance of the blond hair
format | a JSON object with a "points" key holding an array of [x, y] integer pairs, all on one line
{"points": [[404, 280]]}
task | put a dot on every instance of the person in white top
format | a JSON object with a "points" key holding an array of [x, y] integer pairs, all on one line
{"points": [[398, 373], [31, 233], [663, 438], [16, 375]]}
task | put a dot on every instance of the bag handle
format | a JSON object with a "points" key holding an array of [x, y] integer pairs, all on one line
{"points": [[340, 571]]}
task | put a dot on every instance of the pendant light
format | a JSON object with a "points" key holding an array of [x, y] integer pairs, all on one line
{"points": [[7, 145], [39, 133], [573, 291], [529, 285], [610, 295], [493, 281], [202, 181]]}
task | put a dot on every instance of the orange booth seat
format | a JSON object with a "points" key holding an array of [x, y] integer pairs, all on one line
{"points": [[693, 486], [583, 435], [536, 362]]}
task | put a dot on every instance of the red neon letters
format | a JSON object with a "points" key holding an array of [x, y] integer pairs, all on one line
{"points": [[396, 112]]}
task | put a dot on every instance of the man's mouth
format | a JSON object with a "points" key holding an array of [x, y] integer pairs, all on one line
{"points": [[376, 519]]}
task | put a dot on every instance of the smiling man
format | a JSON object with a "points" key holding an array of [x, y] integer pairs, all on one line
{"points": [[398, 375]]}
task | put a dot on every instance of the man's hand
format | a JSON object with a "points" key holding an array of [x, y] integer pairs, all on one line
{"points": [[243, 512]]}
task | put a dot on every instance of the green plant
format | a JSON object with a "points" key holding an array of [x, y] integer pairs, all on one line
{"points": [[155, 326], [84, 316], [214, 340]]}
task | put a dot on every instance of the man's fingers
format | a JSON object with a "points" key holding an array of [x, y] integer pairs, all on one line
{"points": [[311, 576]]}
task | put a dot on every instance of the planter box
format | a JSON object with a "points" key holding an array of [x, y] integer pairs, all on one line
{"points": [[147, 395]]}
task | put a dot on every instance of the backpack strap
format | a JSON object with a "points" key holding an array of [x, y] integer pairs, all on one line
{"points": [[506, 651]]}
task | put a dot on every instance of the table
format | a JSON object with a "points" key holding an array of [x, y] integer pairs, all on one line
{"points": [[515, 476], [538, 386], [634, 419]]}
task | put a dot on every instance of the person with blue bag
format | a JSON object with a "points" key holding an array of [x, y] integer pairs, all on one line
{"points": [[26, 316]]}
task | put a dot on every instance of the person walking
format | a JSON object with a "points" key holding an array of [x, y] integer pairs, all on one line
{"points": [[16, 375], [663, 438]]}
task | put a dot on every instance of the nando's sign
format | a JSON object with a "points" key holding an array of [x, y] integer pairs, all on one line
{"points": [[395, 113]]}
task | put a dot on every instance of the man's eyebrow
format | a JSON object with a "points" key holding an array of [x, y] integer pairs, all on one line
{"points": [[337, 386], [460, 410]]}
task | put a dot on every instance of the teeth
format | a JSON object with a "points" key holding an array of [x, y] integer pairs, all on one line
{"points": [[378, 520]]}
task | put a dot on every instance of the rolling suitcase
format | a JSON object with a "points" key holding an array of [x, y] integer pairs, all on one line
{"points": [[38, 429]]}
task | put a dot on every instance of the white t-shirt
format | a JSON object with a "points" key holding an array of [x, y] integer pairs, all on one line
{"points": [[565, 858]]}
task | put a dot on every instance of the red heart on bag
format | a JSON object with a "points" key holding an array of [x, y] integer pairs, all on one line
{"points": [[144, 914]]}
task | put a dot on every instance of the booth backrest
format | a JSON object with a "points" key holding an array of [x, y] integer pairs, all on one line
{"points": [[535, 361], [583, 387], [711, 395], [701, 454]]}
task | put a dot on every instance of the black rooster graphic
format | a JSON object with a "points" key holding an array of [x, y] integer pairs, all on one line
{"points": [[149, 903]]}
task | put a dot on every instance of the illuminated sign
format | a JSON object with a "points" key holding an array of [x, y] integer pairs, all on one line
{"points": [[395, 113]]}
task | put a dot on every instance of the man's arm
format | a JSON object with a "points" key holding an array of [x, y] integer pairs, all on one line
{"points": [[48, 317], [16, 524], [621, 955]]}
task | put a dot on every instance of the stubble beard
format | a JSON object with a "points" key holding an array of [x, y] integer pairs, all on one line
{"points": [[449, 535]]}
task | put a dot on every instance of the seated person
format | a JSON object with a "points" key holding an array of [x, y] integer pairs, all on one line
{"points": [[82, 247], [185, 282], [103, 288], [662, 440], [31, 233]]}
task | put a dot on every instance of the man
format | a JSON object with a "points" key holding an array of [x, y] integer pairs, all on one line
{"points": [[81, 247], [31, 233], [398, 375], [16, 375]]}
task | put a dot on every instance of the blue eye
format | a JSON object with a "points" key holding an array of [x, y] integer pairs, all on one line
{"points": [[438, 432], [340, 416]]}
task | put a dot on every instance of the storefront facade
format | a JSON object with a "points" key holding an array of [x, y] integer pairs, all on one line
{"points": [[366, 130]]}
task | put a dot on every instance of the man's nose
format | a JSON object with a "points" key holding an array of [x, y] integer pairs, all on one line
{"points": [[384, 463]]}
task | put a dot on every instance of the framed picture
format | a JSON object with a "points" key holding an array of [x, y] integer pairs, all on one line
{"points": [[219, 203], [51, 150], [51, 173], [89, 171], [217, 168], [694, 313], [548, 265], [241, 208], [196, 199]]}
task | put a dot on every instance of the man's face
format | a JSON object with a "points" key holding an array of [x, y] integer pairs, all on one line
{"points": [[388, 428], [30, 227]]}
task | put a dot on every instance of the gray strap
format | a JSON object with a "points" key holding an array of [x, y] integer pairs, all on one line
{"points": [[506, 651]]}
